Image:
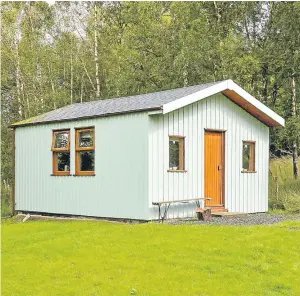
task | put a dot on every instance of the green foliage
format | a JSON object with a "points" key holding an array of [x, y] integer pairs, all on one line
{"points": [[52, 257], [284, 193], [292, 202], [48, 62]]}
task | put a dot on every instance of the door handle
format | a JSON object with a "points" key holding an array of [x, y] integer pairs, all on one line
{"points": [[219, 167]]}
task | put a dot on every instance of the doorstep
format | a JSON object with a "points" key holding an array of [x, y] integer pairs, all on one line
{"points": [[228, 214]]}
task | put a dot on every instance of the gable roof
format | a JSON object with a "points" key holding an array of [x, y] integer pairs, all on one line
{"points": [[166, 101]]}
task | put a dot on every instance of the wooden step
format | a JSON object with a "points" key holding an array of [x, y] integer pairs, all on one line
{"points": [[228, 215], [218, 209]]}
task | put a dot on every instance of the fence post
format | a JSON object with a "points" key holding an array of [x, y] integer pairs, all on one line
{"points": [[276, 182]]}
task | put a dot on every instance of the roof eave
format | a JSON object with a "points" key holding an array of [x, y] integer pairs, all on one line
{"points": [[194, 97], [237, 95], [15, 125]]}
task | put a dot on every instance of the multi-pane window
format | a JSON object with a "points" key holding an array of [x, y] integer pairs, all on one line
{"points": [[85, 151], [176, 153], [248, 156], [61, 152]]}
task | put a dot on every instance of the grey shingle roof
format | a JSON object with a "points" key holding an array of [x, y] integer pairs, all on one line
{"points": [[150, 101]]}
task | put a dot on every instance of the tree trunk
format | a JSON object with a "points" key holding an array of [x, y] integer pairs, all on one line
{"points": [[96, 51], [71, 78], [87, 73], [274, 93], [18, 66], [81, 89], [185, 76], [52, 85], [265, 79], [18, 84], [295, 148]]}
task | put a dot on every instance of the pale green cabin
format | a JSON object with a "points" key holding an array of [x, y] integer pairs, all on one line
{"points": [[119, 158]]}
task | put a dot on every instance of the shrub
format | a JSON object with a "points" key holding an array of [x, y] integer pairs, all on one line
{"points": [[292, 203]]}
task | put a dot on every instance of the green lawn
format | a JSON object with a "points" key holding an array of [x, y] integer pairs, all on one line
{"points": [[102, 258]]}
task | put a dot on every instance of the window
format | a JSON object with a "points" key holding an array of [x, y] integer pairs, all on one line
{"points": [[61, 152], [176, 154], [248, 156], [85, 152]]}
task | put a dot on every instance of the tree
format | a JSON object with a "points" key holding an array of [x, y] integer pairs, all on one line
{"points": [[283, 58], [72, 52]]}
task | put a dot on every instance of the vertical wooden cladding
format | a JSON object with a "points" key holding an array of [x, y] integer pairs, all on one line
{"points": [[163, 185], [126, 151], [214, 168], [13, 195], [242, 192]]}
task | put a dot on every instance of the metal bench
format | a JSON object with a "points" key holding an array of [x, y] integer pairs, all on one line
{"points": [[166, 204]]}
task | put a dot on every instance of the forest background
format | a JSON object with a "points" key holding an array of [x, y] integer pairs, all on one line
{"points": [[70, 52]]}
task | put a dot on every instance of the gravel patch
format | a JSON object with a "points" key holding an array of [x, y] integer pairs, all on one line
{"points": [[250, 219]]}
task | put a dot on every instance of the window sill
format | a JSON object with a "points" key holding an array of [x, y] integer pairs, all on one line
{"points": [[176, 171], [84, 175], [249, 172], [61, 175], [74, 175]]}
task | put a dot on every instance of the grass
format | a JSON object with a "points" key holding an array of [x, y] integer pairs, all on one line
{"points": [[6, 192], [101, 258], [5, 209]]}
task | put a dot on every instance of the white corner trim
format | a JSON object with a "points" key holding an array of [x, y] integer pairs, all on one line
{"points": [[217, 88]]}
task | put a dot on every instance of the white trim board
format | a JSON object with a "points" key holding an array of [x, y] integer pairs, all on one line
{"points": [[217, 88]]}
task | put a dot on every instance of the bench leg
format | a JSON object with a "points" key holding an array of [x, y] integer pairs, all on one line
{"points": [[165, 212], [159, 216]]}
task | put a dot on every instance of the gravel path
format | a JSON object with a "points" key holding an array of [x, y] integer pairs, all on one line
{"points": [[250, 219]]}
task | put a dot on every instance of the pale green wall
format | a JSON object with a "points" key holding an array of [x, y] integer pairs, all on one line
{"points": [[120, 187]]}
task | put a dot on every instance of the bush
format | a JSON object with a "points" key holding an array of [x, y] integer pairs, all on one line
{"points": [[292, 203]]}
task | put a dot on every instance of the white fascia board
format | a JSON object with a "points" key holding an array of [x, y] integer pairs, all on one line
{"points": [[227, 84], [197, 96], [256, 103]]}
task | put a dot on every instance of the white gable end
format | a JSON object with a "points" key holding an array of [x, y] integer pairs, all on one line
{"points": [[236, 94]]}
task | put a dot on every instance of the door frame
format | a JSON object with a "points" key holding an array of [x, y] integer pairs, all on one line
{"points": [[222, 132]]}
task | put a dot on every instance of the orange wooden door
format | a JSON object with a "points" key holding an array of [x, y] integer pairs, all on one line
{"points": [[214, 168]]}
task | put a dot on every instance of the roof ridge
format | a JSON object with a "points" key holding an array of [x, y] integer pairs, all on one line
{"points": [[143, 94], [132, 103]]}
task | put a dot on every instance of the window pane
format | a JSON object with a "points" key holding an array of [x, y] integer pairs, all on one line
{"points": [[174, 154], [87, 161], [63, 161], [246, 156], [61, 140], [86, 139]]}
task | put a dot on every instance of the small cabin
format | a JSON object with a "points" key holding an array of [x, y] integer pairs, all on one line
{"points": [[138, 156]]}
